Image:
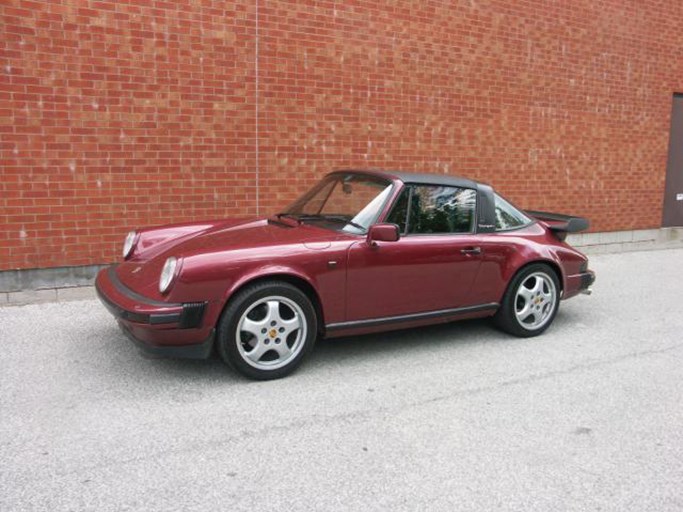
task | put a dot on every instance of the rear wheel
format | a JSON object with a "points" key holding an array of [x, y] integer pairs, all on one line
{"points": [[530, 302], [267, 330]]}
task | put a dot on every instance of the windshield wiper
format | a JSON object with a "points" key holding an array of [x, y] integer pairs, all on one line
{"points": [[341, 218], [332, 218], [288, 215]]}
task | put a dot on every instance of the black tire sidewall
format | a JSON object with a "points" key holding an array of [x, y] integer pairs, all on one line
{"points": [[225, 333], [506, 319]]}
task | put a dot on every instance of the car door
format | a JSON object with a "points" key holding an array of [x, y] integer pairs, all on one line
{"points": [[430, 268]]}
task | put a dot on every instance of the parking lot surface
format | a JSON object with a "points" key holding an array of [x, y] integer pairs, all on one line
{"points": [[588, 416]]}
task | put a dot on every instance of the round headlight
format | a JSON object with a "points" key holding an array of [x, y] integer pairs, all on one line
{"points": [[167, 274], [128, 244]]}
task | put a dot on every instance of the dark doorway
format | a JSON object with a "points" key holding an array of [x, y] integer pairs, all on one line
{"points": [[673, 191]]}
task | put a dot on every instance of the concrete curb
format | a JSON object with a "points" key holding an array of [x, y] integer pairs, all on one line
{"points": [[66, 294], [627, 241]]}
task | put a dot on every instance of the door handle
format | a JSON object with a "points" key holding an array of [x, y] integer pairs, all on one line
{"points": [[471, 250]]}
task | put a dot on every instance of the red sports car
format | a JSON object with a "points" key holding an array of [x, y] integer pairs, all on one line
{"points": [[362, 251]]}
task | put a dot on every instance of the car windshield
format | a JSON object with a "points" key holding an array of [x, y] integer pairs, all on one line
{"points": [[348, 202]]}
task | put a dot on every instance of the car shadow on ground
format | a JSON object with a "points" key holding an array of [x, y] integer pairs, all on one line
{"points": [[432, 338], [406, 342], [329, 354]]}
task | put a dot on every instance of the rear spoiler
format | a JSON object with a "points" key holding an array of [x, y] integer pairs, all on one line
{"points": [[560, 224]]}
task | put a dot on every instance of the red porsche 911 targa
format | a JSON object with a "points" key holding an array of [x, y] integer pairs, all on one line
{"points": [[362, 251]]}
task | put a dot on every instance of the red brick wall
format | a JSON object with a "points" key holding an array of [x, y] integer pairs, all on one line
{"points": [[116, 114]]}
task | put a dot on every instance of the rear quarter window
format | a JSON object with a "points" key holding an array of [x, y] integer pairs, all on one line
{"points": [[508, 216]]}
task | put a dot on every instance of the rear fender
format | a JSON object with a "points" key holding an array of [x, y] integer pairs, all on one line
{"points": [[505, 254], [547, 257]]}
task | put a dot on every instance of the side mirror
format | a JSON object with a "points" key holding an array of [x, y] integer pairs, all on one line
{"points": [[382, 233]]}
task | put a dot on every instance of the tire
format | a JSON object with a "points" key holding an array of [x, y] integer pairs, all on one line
{"points": [[267, 330], [530, 303]]}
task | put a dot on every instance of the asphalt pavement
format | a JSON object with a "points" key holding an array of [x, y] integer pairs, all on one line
{"points": [[588, 416]]}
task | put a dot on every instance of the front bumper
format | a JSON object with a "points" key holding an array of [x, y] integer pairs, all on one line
{"points": [[162, 328], [200, 350]]}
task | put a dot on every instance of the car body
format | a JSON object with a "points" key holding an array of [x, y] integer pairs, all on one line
{"points": [[363, 251]]}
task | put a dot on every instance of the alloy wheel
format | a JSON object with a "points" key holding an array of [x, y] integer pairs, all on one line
{"points": [[535, 301], [271, 332]]}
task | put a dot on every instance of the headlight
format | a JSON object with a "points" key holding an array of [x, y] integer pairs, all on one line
{"points": [[128, 244], [167, 274]]}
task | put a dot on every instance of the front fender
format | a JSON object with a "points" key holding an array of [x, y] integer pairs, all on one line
{"points": [[265, 272], [282, 272], [217, 277]]}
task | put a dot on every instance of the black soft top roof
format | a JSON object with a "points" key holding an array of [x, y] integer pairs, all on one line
{"points": [[412, 177]]}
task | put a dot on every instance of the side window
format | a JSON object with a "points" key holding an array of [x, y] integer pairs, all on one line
{"points": [[437, 209], [399, 213], [507, 216]]}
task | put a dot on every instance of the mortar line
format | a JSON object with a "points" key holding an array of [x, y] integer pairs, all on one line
{"points": [[256, 98]]}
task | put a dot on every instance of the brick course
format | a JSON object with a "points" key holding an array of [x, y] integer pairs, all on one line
{"points": [[117, 114]]}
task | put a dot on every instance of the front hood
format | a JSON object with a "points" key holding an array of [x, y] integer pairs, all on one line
{"points": [[260, 236], [256, 234]]}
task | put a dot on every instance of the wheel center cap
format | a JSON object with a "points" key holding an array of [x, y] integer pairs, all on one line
{"points": [[272, 333]]}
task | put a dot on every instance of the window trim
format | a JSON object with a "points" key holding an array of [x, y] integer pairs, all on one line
{"points": [[406, 188], [411, 191], [327, 197], [380, 211]]}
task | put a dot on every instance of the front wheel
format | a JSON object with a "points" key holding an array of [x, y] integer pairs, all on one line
{"points": [[530, 302], [267, 330]]}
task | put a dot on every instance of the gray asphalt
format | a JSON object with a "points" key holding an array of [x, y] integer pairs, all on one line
{"points": [[588, 416]]}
